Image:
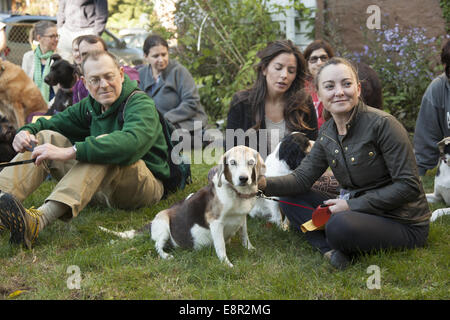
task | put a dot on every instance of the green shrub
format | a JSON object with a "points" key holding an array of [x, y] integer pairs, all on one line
{"points": [[445, 5], [406, 62], [217, 42]]}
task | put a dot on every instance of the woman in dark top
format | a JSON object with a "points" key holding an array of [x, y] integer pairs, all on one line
{"points": [[382, 203], [276, 102]]}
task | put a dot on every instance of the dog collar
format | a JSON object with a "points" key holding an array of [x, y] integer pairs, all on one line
{"points": [[67, 90], [243, 195]]}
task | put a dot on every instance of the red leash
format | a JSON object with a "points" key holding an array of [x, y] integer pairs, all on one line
{"points": [[294, 204], [260, 194], [319, 217]]}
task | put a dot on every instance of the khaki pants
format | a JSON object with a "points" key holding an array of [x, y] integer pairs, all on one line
{"points": [[122, 187]]}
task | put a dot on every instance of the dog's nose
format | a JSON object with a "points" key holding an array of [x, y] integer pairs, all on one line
{"points": [[243, 179]]}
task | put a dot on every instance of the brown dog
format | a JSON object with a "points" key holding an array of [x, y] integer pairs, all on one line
{"points": [[19, 95]]}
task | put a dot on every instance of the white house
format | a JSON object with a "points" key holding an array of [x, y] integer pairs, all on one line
{"points": [[299, 34]]}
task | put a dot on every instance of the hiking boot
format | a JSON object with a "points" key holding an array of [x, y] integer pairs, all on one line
{"points": [[22, 223], [337, 259]]}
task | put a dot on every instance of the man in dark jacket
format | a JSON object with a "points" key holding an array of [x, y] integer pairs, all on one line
{"points": [[79, 17]]}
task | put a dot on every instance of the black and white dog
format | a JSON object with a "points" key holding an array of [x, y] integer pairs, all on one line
{"points": [[442, 180], [287, 156], [65, 74]]}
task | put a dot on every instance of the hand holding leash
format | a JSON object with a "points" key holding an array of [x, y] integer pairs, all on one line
{"points": [[48, 151], [15, 163], [320, 215], [262, 183], [24, 141], [337, 205], [319, 218]]}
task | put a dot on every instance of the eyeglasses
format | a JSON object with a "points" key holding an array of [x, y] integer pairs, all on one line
{"points": [[52, 36], [95, 81], [314, 59]]}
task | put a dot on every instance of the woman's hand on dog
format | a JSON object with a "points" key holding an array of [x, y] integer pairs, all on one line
{"points": [[24, 141], [337, 205], [262, 183], [49, 151]]}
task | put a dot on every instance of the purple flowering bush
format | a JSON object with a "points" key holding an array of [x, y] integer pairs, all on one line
{"points": [[406, 61]]}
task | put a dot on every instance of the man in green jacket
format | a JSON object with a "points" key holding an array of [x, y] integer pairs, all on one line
{"points": [[95, 155]]}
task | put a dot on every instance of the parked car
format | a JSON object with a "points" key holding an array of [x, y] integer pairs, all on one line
{"points": [[128, 33], [129, 55], [18, 29], [136, 41]]}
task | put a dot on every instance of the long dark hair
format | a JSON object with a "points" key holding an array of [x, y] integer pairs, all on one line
{"points": [[295, 97]]}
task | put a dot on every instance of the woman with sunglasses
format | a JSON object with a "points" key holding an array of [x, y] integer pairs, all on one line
{"points": [[36, 63], [316, 54]]}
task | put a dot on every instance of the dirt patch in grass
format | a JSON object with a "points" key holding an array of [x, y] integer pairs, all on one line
{"points": [[13, 284]]}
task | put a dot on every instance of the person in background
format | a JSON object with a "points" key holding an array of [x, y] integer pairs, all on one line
{"points": [[276, 100], [382, 204], [36, 63], [79, 17], [316, 54], [76, 53], [90, 151], [2, 38], [433, 121], [172, 87], [87, 44]]}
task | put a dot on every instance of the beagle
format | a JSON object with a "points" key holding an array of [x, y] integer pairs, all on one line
{"points": [[287, 156], [442, 180], [213, 214]]}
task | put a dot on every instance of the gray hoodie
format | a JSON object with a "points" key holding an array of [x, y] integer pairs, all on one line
{"points": [[175, 95], [77, 15], [433, 123]]}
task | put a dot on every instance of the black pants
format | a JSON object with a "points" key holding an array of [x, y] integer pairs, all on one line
{"points": [[352, 232]]}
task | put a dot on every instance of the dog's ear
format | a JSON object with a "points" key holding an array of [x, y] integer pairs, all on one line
{"points": [[220, 169], [311, 144], [260, 167], [55, 57], [442, 145]]}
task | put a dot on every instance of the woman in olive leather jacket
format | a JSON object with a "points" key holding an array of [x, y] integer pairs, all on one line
{"points": [[382, 203]]}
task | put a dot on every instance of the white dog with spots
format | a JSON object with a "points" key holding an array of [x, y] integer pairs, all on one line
{"points": [[215, 213]]}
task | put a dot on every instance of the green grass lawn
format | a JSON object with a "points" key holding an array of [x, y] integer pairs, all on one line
{"points": [[283, 266]]}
